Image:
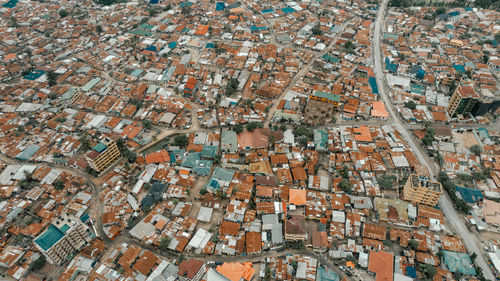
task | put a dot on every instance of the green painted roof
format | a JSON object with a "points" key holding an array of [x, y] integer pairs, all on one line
{"points": [[49, 237], [327, 96], [100, 147]]}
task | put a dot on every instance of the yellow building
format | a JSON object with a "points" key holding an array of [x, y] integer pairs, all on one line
{"points": [[103, 155], [463, 101], [326, 97], [420, 190]]}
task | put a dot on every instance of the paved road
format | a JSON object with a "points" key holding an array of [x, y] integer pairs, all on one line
{"points": [[452, 216]]}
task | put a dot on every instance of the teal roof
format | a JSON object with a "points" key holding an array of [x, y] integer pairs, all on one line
{"points": [[28, 152], [327, 96], [223, 174], [49, 237], [100, 147], [69, 93], [209, 151], [190, 160], [460, 262], [320, 139], [90, 84], [203, 167]]}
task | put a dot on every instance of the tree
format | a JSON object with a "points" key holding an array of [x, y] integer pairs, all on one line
{"points": [[181, 140], [344, 172], [63, 13], [98, 29], [253, 125], [164, 242], [51, 77], [303, 131], [303, 141], [238, 128], [37, 264], [427, 270], [232, 86], [203, 191], [475, 149], [283, 127], [410, 104], [186, 10], [413, 244], [429, 136], [345, 185], [53, 96], [316, 30], [386, 181], [59, 184], [485, 58], [147, 124]]}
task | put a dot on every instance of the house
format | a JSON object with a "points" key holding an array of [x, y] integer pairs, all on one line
{"points": [[191, 270]]}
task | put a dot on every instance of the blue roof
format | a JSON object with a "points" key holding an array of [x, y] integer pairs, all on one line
{"points": [[288, 10], [257, 28], [220, 6], [411, 272], [172, 45], [459, 67], [49, 237], [100, 147], [452, 14], [152, 49], [266, 11], [33, 75], [373, 84], [153, 2], [10, 4], [84, 217], [468, 9], [421, 74], [392, 67], [470, 195], [136, 72], [210, 46], [185, 4]]}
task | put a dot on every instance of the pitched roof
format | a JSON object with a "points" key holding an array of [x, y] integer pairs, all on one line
{"points": [[297, 196], [382, 263]]}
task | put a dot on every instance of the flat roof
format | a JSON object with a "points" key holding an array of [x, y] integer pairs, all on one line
{"points": [[49, 237]]}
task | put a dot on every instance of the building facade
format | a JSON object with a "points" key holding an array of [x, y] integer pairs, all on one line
{"points": [[420, 190], [463, 101], [62, 239], [103, 155]]}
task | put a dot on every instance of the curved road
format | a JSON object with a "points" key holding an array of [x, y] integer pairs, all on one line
{"points": [[470, 240]]}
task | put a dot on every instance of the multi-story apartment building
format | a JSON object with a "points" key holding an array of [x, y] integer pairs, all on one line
{"points": [[103, 155], [420, 190], [63, 237], [463, 101]]}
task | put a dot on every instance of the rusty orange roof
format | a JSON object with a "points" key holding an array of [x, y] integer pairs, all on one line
{"points": [[378, 110], [234, 271], [160, 156], [297, 196], [382, 263], [362, 134]]}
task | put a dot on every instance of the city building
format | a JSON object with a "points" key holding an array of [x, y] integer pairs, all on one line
{"points": [[326, 97], [420, 190], [63, 238], [103, 155], [463, 101], [191, 270]]}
